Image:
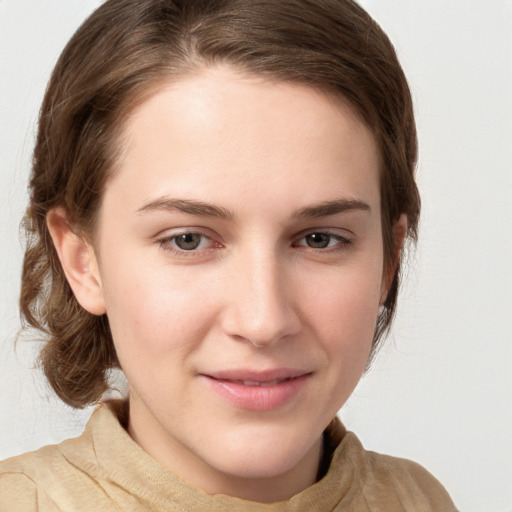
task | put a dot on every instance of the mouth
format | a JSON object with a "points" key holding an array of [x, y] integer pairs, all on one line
{"points": [[245, 377], [258, 391], [267, 383]]}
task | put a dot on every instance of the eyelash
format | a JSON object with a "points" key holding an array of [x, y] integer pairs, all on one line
{"points": [[168, 243], [343, 242]]}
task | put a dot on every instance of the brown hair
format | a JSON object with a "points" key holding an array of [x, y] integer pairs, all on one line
{"points": [[116, 58]]}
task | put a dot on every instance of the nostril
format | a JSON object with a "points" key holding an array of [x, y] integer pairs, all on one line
{"points": [[258, 308], [264, 333]]}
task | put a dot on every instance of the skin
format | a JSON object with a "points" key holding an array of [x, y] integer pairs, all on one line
{"points": [[258, 292]]}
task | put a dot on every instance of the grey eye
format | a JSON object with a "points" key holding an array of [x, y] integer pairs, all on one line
{"points": [[188, 241], [318, 240]]}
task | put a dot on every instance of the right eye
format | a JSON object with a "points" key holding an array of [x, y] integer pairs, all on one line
{"points": [[189, 241]]}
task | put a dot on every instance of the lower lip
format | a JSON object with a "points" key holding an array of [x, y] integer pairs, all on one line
{"points": [[258, 398]]}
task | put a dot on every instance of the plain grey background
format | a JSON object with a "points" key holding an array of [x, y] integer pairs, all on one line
{"points": [[440, 391]]}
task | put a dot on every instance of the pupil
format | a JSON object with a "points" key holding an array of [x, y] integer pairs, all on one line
{"points": [[318, 240], [188, 241]]}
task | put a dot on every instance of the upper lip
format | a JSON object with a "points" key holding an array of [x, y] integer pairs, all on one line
{"points": [[276, 374]]}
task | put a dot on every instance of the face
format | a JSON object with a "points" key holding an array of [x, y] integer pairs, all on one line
{"points": [[240, 263]]}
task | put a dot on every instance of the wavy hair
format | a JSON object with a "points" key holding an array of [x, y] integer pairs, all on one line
{"points": [[119, 55]]}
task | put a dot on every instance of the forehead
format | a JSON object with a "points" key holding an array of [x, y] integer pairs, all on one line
{"points": [[218, 132]]}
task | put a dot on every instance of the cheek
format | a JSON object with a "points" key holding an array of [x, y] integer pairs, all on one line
{"points": [[345, 314], [151, 313], [349, 301], [154, 335]]}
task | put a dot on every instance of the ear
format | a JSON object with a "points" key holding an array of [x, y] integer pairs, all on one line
{"points": [[399, 232], [78, 261]]}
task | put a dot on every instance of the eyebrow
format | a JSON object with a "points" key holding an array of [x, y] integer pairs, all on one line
{"points": [[187, 206], [192, 207], [327, 208]]}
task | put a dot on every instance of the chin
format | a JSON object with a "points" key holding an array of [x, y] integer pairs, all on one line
{"points": [[266, 456], [260, 467]]}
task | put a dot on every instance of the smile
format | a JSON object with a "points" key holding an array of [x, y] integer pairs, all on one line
{"points": [[256, 391], [258, 383]]}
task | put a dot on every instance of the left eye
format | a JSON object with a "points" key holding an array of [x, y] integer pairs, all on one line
{"points": [[322, 240]]}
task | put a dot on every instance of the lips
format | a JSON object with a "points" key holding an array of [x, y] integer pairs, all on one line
{"points": [[258, 391], [257, 376], [257, 383]]}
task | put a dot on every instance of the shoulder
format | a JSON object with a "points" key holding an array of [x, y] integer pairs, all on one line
{"points": [[42, 481], [18, 491], [73, 475], [390, 483], [410, 481], [36, 481]]}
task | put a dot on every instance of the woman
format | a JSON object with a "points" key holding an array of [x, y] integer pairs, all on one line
{"points": [[220, 194]]}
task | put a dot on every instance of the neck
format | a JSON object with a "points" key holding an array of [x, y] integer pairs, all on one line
{"points": [[276, 486], [270, 489]]}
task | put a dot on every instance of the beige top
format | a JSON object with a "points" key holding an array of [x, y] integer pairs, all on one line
{"points": [[105, 470]]}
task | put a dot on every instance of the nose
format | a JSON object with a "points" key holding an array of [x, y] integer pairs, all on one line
{"points": [[259, 306]]}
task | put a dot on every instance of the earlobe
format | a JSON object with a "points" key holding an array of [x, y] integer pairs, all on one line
{"points": [[78, 260], [399, 233]]}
